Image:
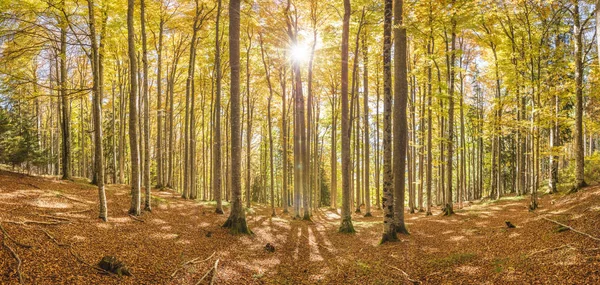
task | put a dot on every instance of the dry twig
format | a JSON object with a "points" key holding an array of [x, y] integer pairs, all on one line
{"points": [[193, 261], [550, 249], [208, 272], [579, 232], [405, 275]]}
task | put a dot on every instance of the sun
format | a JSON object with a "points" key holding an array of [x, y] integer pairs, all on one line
{"points": [[299, 53]]}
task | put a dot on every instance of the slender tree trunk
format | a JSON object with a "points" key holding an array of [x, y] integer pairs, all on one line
{"points": [[366, 156], [65, 108], [579, 142], [237, 218], [99, 157], [133, 114], [346, 223], [284, 143], [147, 206], [449, 207], [389, 230], [400, 122], [160, 112], [216, 167]]}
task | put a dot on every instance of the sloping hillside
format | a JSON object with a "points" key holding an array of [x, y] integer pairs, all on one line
{"points": [[51, 226]]}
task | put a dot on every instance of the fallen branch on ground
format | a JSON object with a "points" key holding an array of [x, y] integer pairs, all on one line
{"points": [[136, 218], [579, 232], [54, 240], [15, 255], [36, 222], [6, 235], [73, 212], [72, 199], [405, 275], [193, 261], [208, 272], [550, 249], [55, 217]]}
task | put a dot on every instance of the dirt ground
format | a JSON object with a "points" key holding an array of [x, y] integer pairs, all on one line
{"points": [[58, 220]]}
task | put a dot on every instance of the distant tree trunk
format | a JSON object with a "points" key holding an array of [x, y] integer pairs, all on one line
{"points": [[65, 108], [429, 124], [216, 167], [346, 223], [377, 143], [147, 206], [237, 218], [133, 114], [366, 156], [99, 157], [284, 142], [160, 112], [579, 142], [448, 208], [249, 118], [269, 122], [389, 230], [333, 196], [400, 123]]}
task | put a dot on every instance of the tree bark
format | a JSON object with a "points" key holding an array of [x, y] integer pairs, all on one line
{"points": [[237, 218], [346, 223], [216, 167], [133, 114], [98, 154], [400, 128], [389, 231]]}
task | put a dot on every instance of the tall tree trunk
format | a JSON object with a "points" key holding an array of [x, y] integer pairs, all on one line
{"points": [[429, 123], [270, 124], [448, 208], [284, 143], [389, 231], [133, 114], [216, 167], [579, 142], [237, 218], [65, 104], [400, 122], [160, 112], [366, 156], [147, 206], [99, 157], [346, 223]]}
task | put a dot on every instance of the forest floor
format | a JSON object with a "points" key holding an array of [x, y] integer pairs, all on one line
{"points": [[58, 220]]}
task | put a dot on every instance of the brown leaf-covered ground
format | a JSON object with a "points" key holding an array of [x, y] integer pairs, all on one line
{"points": [[473, 246]]}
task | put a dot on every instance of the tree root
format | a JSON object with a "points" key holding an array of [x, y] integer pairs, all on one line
{"points": [[55, 218], [193, 261], [212, 280], [13, 253], [77, 257], [6, 235], [54, 240], [405, 275], [23, 223], [579, 232]]}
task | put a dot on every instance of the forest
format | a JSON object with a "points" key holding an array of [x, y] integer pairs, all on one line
{"points": [[299, 142]]}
